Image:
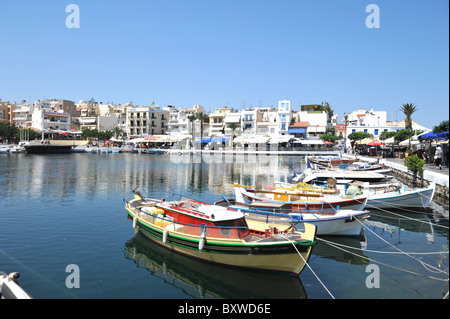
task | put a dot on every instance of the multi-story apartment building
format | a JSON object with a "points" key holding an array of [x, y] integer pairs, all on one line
{"points": [[22, 114], [217, 121], [372, 122], [317, 119], [146, 120], [44, 120], [6, 112]]}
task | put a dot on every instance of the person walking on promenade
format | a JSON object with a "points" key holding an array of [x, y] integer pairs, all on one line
{"points": [[438, 157]]}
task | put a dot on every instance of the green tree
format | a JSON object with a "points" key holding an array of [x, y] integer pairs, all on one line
{"points": [[201, 116], [442, 127], [357, 136], [233, 126], [192, 118], [408, 109], [329, 137], [8, 131], [385, 135], [117, 132], [414, 164]]}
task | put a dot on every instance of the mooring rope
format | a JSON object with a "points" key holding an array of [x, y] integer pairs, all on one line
{"points": [[306, 263], [382, 252], [379, 262], [403, 217], [425, 265]]}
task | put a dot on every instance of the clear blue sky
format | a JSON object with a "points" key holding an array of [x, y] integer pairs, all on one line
{"points": [[230, 52]]}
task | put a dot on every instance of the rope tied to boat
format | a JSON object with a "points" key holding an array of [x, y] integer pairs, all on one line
{"points": [[306, 263], [425, 265]]}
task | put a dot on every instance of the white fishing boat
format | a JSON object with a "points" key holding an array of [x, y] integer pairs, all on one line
{"points": [[389, 196], [321, 176]]}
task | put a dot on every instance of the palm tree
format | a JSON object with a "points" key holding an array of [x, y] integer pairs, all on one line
{"points": [[117, 131], [408, 109], [201, 116], [192, 118], [232, 126]]}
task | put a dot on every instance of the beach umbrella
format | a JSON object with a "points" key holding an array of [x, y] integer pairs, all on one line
{"points": [[64, 133], [376, 142], [328, 143]]}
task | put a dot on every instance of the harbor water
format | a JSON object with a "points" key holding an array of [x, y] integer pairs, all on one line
{"points": [[64, 228]]}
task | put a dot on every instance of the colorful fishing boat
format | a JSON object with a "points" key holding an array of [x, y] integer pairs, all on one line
{"points": [[215, 234], [331, 160], [339, 223], [300, 199]]}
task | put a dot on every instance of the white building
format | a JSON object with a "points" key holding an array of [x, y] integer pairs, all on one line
{"points": [[22, 114], [44, 120], [146, 120], [317, 119], [371, 122]]}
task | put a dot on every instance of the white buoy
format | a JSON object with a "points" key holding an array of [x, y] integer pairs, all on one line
{"points": [[164, 238], [201, 242], [134, 222]]}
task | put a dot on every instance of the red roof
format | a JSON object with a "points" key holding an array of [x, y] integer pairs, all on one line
{"points": [[300, 124]]}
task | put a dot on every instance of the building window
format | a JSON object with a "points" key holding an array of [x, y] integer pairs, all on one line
{"points": [[365, 130], [353, 130], [376, 131]]}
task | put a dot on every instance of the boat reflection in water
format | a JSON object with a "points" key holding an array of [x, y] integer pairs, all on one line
{"points": [[206, 280], [348, 250]]}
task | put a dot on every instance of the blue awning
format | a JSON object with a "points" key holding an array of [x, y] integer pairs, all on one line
{"points": [[219, 139], [204, 140], [433, 136], [297, 130]]}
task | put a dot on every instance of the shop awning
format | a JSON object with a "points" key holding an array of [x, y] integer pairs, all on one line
{"points": [[312, 142], [281, 139], [251, 140]]}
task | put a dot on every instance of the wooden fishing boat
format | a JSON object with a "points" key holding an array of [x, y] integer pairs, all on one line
{"points": [[342, 222], [381, 196], [331, 160], [215, 234], [299, 199], [388, 196]]}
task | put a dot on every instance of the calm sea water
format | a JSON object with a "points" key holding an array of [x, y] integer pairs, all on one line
{"points": [[59, 210]]}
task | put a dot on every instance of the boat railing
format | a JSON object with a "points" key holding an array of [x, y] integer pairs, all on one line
{"points": [[166, 222]]}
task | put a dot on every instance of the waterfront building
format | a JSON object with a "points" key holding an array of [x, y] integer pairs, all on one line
{"points": [[47, 121], [232, 119], [217, 121], [298, 129], [146, 120], [6, 112], [249, 119], [374, 122], [22, 114], [318, 119]]}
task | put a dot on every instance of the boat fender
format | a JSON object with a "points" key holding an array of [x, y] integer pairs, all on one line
{"points": [[14, 276], [134, 222], [164, 239], [201, 242]]}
